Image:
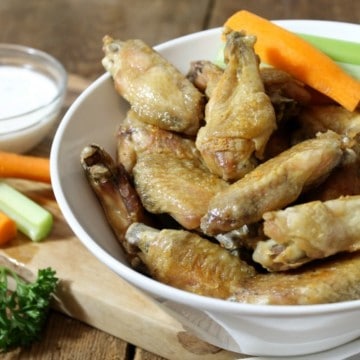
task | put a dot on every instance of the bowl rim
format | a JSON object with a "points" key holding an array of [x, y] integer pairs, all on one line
{"points": [[153, 286], [51, 61]]}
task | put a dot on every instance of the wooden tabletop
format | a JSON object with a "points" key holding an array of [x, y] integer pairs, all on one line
{"points": [[72, 31]]}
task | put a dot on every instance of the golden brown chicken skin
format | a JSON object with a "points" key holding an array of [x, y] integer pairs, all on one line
{"points": [[313, 230], [273, 184], [168, 172], [239, 115], [205, 75], [287, 94], [327, 281], [155, 89], [189, 262], [135, 138], [116, 194]]}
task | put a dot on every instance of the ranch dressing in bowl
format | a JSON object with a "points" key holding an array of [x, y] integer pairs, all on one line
{"points": [[23, 90], [32, 89]]}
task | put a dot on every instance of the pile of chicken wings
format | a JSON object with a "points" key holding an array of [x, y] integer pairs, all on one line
{"points": [[235, 182]]}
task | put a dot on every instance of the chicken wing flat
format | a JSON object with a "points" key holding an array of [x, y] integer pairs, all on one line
{"points": [[313, 230], [168, 172], [187, 261], [273, 184], [120, 202], [155, 89], [239, 115], [327, 281]]}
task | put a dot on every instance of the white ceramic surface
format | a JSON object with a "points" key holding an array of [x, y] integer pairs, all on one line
{"points": [[250, 329], [34, 83]]}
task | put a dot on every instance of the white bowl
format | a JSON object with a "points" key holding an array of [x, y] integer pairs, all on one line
{"points": [[244, 328], [32, 90]]}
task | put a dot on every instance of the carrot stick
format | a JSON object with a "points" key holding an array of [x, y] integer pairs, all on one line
{"points": [[8, 229], [281, 48], [24, 167]]}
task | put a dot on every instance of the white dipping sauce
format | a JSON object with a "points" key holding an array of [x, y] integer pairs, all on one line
{"points": [[22, 90]]}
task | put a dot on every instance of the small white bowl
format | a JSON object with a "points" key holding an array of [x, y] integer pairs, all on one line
{"points": [[266, 330], [32, 91]]}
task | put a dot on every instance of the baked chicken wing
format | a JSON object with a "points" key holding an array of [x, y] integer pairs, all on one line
{"points": [[118, 198], [189, 262], [239, 115], [168, 172], [327, 281], [155, 89], [313, 230], [273, 184]]}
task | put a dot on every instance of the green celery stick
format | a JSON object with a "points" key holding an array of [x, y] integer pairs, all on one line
{"points": [[219, 59], [31, 219], [339, 50]]}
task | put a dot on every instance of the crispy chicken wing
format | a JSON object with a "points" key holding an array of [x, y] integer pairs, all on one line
{"points": [[327, 281], [273, 184], [120, 202], [187, 261], [135, 138], [155, 89], [313, 230], [239, 115], [168, 172]]}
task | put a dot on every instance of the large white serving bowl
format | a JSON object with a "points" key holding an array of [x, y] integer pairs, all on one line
{"points": [[252, 329]]}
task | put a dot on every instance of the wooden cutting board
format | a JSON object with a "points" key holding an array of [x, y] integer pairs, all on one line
{"points": [[90, 292]]}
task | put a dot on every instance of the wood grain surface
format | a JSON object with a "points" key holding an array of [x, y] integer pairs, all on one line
{"points": [[72, 30]]}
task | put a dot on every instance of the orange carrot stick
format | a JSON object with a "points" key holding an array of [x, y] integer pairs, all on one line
{"points": [[24, 167], [281, 48], [8, 229]]}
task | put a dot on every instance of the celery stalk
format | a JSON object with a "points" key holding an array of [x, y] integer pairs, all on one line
{"points": [[339, 50], [31, 219], [219, 59]]}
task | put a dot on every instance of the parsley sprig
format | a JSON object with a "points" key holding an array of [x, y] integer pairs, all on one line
{"points": [[23, 311]]}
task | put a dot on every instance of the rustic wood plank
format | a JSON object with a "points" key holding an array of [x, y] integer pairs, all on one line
{"points": [[72, 31], [63, 336], [345, 10], [141, 354]]}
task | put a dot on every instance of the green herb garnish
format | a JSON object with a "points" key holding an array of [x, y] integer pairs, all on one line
{"points": [[23, 311]]}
